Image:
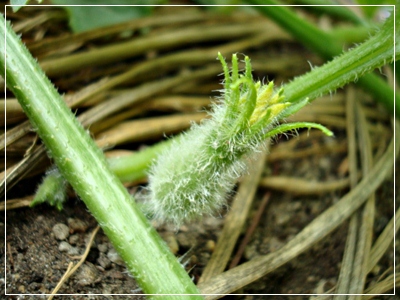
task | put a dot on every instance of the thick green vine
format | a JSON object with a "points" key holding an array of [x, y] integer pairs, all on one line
{"points": [[83, 165]]}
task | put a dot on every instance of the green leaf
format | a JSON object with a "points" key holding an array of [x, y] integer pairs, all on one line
{"points": [[297, 125], [87, 16], [52, 191], [17, 4]]}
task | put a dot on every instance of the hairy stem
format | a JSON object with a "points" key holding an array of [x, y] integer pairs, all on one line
{"points": [[350, 66], [374, 53], [83, 165]]}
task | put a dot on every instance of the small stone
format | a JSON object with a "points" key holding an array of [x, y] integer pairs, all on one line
{"points": [[73, 239], [114, 257], [60, 231], [21, 289], [102, 247], [77, 225], [73, 251], [64, 246], [103, 261], [88, 274]]}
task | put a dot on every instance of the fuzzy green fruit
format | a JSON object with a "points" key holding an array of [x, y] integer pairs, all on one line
{"points": [[196, 174]]}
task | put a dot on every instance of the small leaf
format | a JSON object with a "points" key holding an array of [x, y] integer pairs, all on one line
{"points": [[87, 16], [294, 126], [52, 190], [17, 4]]}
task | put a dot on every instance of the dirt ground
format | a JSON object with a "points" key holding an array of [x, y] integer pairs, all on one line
{"points": [[35, 262], [40, 242]]}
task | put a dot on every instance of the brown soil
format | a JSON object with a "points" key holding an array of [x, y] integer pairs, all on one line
{"points": [[35, 264], [35, 259]]}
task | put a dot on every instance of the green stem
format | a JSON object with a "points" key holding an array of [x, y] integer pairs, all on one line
{"points": [[327, 46], [350, 35], [133, 167], [304, 31], [350, 66], [83, 165], [331, 8]]}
